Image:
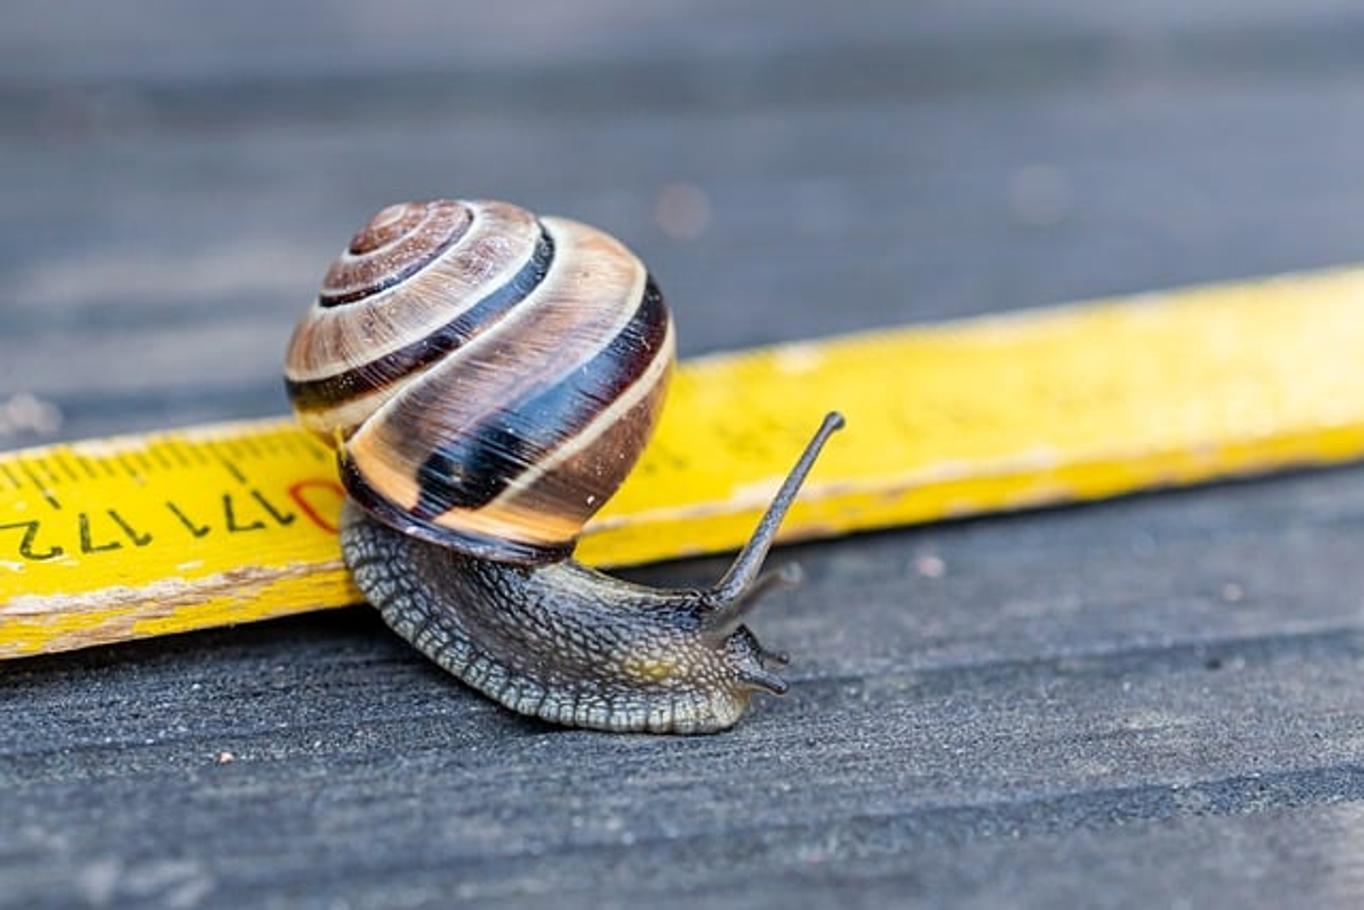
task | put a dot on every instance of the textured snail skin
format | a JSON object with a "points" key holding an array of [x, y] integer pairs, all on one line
{"points": [[489, 378], [574, 646], [560, 642]]}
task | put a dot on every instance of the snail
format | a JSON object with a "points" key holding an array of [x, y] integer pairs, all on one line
{"points": [[488, 379]]}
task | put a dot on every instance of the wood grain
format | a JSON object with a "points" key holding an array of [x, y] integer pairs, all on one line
{"points": [[1154, 702]]}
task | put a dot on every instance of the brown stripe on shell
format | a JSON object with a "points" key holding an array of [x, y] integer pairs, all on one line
{"points": [[396, 366], [342, 353], [388, 224], [539, 520], [396, 243], [476, 466], [586, 473], [471, 542], [589, 296]]}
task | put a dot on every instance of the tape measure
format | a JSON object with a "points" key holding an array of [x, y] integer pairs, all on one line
{"points": [[146, 535]]}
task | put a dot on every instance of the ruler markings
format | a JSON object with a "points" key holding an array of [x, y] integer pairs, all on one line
{"points": [[128, 469], [37, 484], [195, 452], [173, 447], [195, 529], [222, 455], [238, 522], [160, 457], [313, 447], [85, 466], [46, 469], [59, 460], [233, 470]]}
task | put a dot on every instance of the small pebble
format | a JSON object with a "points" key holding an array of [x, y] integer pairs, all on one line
{"points": [[26, 413], [929, 566], [226, 758]]}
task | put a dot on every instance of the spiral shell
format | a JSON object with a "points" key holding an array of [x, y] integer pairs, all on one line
{"points": [[490, 377]]}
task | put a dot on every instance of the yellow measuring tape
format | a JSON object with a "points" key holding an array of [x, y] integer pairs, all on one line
{"points": [[147, 535]]}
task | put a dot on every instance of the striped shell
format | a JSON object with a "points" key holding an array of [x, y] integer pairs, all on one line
{"points": [[489, 376]]}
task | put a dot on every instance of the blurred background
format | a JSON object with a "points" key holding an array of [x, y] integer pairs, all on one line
{"points": [[1150, 703], [176, 176]]}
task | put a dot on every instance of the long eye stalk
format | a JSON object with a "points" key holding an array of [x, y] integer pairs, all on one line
{"points": [[743, 573]]}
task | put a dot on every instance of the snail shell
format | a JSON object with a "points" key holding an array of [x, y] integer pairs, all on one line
{"points": [[490, 377]]}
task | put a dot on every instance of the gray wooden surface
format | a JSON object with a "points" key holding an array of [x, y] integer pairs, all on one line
{"points": [[1154, 702]]}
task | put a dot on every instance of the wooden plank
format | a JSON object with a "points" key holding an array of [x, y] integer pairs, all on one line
{"points": [[944, 733], [1153, 702], [792, 217]]}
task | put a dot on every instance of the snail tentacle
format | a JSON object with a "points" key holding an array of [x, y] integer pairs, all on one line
{"points": [[738, 590], [572, 645], [489, 377]]}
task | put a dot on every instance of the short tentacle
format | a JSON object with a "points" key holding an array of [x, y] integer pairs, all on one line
{"points": [[572, 645], [723, 617], [761, 678], [489, 377]]}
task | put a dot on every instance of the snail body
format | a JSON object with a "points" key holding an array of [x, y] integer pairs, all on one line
{"points": [[489, 378]]}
